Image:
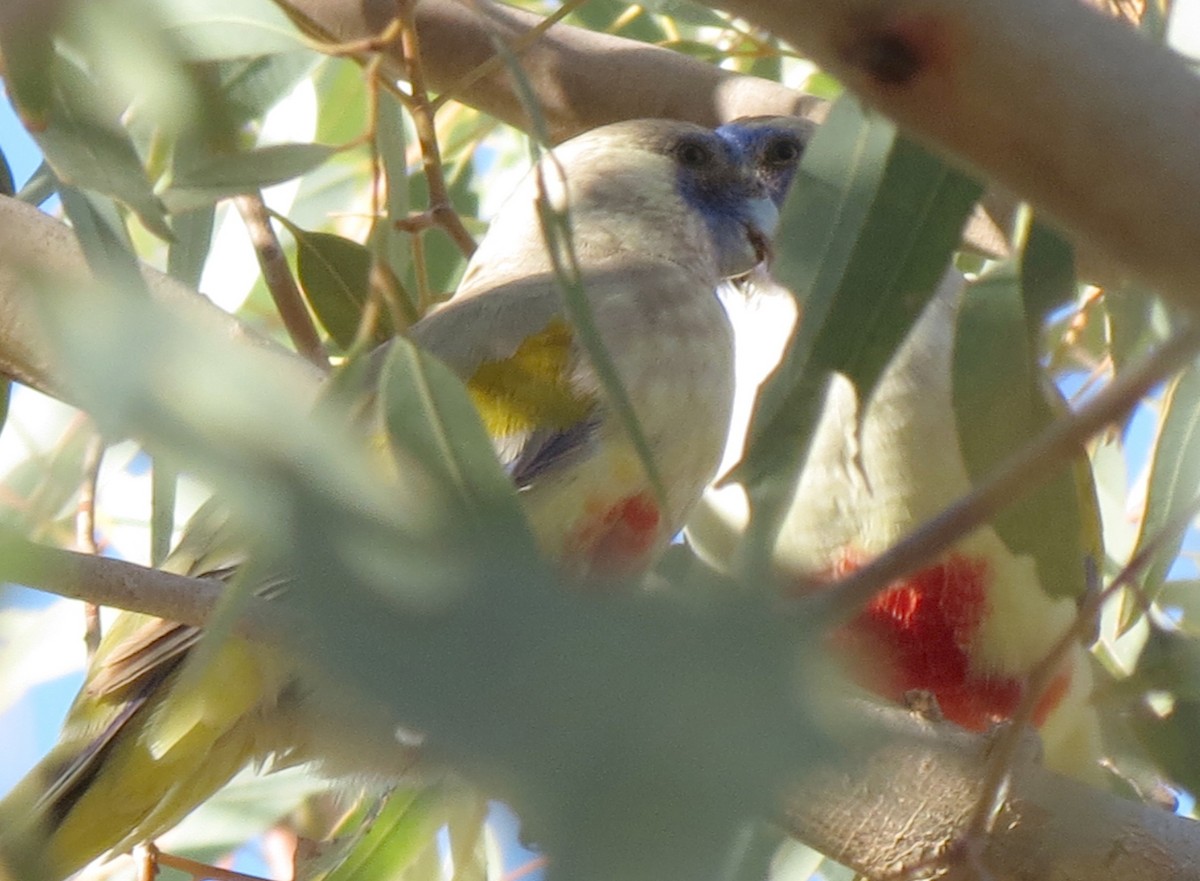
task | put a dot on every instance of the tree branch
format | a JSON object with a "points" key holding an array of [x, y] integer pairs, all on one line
{"points": [[272, 262], [34, 246], [581, 79]]}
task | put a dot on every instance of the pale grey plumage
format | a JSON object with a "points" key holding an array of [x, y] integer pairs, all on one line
{"points": [[660, 212]]}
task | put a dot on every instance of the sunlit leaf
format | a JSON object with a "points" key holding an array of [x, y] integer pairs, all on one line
{"points": [[42, 184], [1182, 597], [1174, 474], [384, 839]]}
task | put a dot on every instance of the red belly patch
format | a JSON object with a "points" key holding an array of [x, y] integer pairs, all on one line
{"points": [[617, 539], [917, 635]]}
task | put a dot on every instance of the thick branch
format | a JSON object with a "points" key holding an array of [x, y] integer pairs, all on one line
{"points": [[581, 79], [33, 246], [903, 798]]}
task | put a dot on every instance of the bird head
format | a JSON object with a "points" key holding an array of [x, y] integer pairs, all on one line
{"points": [[774, 146], [647, 189]]}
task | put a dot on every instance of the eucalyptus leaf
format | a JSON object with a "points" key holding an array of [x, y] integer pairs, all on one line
{"points": [[42, 185], [252, 86], [218, 177], [1170, 663], [209, 30], [1000, 404], [189, 248], [432, 423], [334, 273], [389, 244], [1183, 596], [87, 147], [383, 838], [614, 17], [866, 233], [1174, 481], [102, 235], [27, 46], [1047, 276]]}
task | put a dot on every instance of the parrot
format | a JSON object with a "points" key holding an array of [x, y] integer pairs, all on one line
{"points": [[967, 628], [659, 212]]}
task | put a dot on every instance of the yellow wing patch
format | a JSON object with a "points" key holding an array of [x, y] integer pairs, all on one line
{"points": [[530, 389]]}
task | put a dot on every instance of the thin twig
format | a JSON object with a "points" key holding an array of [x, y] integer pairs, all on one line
{"points": [[85, 532], [374, 44], [116, 583], [422, 111], [1028, 467], [278, 277]]}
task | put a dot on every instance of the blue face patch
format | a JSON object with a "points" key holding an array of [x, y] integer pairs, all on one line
{"points": [[774, 150], [717, 181]]}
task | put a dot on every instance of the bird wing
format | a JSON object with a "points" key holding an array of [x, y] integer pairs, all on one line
{"points": [[526, 375]]}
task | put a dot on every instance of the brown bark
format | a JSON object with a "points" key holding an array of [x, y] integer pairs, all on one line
{"points": [[581, 79]]}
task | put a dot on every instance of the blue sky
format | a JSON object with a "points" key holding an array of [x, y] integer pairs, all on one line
{"points": [[18, 147]]}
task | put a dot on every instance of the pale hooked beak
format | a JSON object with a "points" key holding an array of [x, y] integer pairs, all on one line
{"points": [[763, 222]]}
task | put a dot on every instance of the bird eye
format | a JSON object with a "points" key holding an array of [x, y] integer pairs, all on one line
{"points": [[783, 151], [691, 154]]}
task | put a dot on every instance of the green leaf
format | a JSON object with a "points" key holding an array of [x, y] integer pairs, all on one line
{"points": [[1183, 595], [391, 246], [1174, 474], [86, 146], [1047, 276], [249, 804], [164, 485], [342, 97], [334, 273], [42, 185], [218, 177], [1170, 663], [189, 248], [27, 46], [603, 15], [252, 86], [999, 405], [433, 425], [102, 235], [865, 235], [209, 30], [384, 839]]}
